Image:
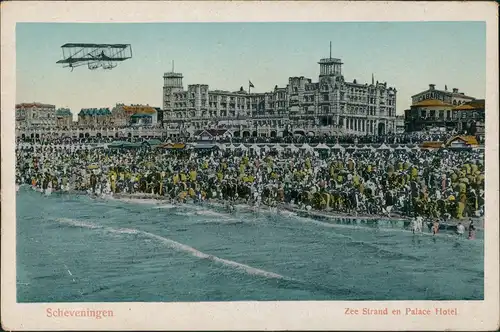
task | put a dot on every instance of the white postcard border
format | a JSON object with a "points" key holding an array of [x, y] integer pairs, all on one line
{"points": [[281, 315]]}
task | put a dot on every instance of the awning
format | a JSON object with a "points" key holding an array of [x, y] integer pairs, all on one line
{"points": [[384, 147], [173, 146], [154, 142], [322, 146], [337, 147], [205, 146]]}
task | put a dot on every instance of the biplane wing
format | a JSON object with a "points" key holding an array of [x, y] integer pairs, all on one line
{"points": [[94, 55]]}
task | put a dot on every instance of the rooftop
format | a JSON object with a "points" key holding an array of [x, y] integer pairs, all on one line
{"points": [[34, 104], [63, 112], [431, 102], [94, 112], [136, 109]]}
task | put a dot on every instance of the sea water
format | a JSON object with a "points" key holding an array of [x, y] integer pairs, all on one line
{"points": [[72, 248]]}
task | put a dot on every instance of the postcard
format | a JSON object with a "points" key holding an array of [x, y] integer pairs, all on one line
{"points": [[249, 166]]}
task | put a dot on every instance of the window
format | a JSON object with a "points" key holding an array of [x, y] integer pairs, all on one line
{"points": [[325, 97], [441, 114], [448, 115], [423, 113], [432, 114]]}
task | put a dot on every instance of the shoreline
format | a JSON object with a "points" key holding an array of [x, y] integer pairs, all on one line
{"points": [[318, 215], [331, 216]]}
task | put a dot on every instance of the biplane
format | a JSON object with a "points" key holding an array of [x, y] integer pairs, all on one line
{"points": [[94, 56]]}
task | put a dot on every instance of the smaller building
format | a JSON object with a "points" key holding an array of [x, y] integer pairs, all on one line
{"points": [[428, 114], [141, 120], [462, 142], [95, 117], [35, 115], [444, 110], [454, 97], [64, 118], [213, 134], [400, 124], [143, 115], [470, 117]]}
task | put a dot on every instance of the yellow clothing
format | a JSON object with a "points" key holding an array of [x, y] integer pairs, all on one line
{"points": [[192, 175]]}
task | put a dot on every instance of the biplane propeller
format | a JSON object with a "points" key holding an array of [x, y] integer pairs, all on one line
{"points": [[105, 56]]}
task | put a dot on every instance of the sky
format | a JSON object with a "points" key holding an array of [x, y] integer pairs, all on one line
{"points": [[407, 55]]}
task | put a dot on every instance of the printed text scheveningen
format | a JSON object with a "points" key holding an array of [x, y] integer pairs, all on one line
{"points": [[70, 313]]}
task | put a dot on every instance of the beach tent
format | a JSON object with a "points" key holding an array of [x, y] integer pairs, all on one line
{"points": [[384, 147], [116, 144], [399, 147], [306, 147], [407, 148], [242, 147], [132, 145], [231, 147], [278, 147], [293, 148], [255, 147], [351, 147], [322, 146], [337, 146], [266, 148], [153, 142], [204, 146], [172, 146]]}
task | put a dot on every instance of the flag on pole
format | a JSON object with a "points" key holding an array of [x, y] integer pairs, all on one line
{"points": [[251, 84]]}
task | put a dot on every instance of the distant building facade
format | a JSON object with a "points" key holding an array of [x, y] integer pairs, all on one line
{"points": [[331, 106], [135, 115], [453, 97], [94, 117], [400, 124], [35, 115], [470, 117], [64, 118], [443, 109]]}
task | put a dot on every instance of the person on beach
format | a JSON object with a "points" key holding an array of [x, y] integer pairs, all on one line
{"points": [[460, 229], [390, 183], [435, 227], [414, 225], [472, 230]]}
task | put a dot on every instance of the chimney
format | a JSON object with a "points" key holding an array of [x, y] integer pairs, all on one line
{"points": [[432, 86], [455, 90]]}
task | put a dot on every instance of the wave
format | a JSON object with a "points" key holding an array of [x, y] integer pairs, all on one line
{"points": [[179, 247], [78, 223], [167, 206], [143, 201], [334, 224], [284, 281], [211, 213], [196, 253]]}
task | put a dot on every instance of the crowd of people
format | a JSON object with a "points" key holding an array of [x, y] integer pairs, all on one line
{"points": [[418, 183], [404, 138]]}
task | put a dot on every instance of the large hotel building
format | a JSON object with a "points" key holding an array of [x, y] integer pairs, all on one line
{"points": [[331, 106]]}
